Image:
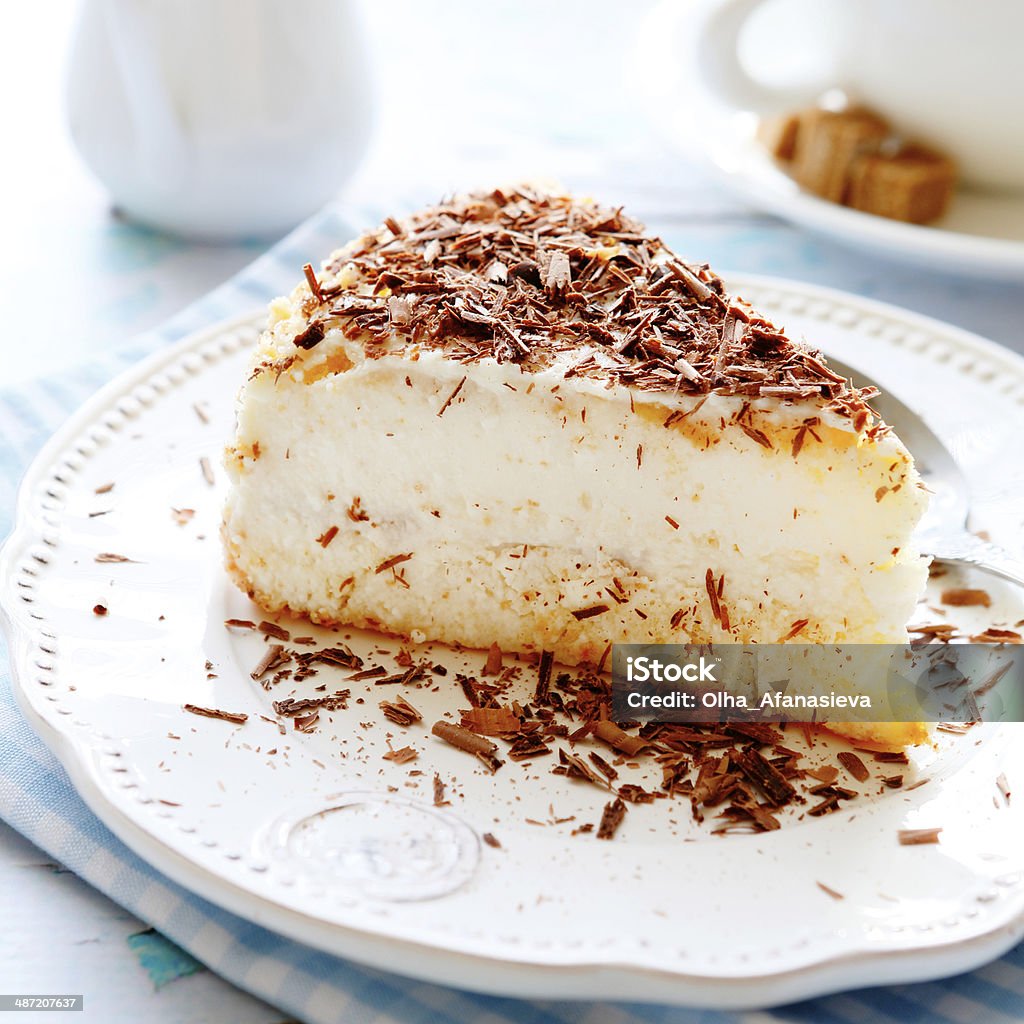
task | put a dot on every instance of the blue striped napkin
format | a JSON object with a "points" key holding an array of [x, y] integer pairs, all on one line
{"points": [[37, 799]]}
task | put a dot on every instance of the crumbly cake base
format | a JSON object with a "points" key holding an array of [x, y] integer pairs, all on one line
{"points": [[539, 630]]}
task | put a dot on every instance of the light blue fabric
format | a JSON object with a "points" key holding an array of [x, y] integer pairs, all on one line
{"points": [[37, 799]]}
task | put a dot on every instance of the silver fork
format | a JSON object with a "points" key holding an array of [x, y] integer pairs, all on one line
{"points": [[942, 532]]}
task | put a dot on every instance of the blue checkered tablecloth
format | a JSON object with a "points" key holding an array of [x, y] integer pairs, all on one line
{"points": [[37, 799]]}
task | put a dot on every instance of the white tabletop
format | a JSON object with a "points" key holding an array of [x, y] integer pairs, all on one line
{"points": [[557, 110]]}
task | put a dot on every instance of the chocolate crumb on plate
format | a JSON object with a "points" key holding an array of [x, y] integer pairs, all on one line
{"points": [[274, 630], [611, 819], [547, 662], [439, 787], [306, 722], [493, 664], [854, 765], [491, 721], [1003, 785], [400, 711], [292, 706], [237, 717], [462, 739], [918, 836], [274, 657], [402, 755], [490, 840], [992, 635], [964, 597]]}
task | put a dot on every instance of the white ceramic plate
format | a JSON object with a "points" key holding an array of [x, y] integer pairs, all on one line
{"points": [[981, 235], [305, 834]]}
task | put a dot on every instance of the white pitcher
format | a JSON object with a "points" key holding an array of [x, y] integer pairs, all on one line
{"points": [[219, 119]]}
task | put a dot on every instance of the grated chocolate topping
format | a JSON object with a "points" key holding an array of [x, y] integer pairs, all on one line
{"points": [[524, 277]]}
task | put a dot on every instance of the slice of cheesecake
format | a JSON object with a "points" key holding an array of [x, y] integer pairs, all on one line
{"points": [[516, 418]]}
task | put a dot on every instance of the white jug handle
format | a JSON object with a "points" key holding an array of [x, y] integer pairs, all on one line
{"points": [[135, 44], [716, 38]]}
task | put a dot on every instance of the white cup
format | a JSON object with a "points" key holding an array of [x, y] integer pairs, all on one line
{"points": [[949, 73], [218, 119]]}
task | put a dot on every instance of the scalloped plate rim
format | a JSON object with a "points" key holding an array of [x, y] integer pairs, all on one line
{"points": [[588, 979]]}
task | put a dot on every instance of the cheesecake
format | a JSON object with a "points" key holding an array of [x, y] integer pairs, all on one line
{"points": [[517, 418]]}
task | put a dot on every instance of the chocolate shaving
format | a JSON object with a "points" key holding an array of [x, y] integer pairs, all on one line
{"points": [[400, 711], [854, 765], [527, 746], [274, 630], [608, 732], [499, 721], [559, 275], [327, 536], [484, 750], [403, 755], [493, 664], [274, 657], [314, 284], [829, 891], [237, 717], [603, 766], [390, 563], [355, 511], [778, 790], [451, 398], [547, 661], [311, 336], [965, 597], [830, 803], [611, 819], [636, 794], [292, 706], [576, 767], [798, 627], [918, 836], [589, 613], [712, 589], [439, 787], [992, 635]]}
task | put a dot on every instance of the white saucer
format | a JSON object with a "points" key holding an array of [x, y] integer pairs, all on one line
{"points": [[981, 235]]}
